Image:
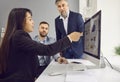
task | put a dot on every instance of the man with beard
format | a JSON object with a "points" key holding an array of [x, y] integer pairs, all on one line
{"points": [[66, 23], [44, 39]]}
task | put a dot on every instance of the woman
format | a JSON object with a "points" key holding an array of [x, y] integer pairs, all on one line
{"points": [[18, 52]]}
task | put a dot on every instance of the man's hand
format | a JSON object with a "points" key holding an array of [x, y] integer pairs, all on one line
{"points": [[62, 60]]}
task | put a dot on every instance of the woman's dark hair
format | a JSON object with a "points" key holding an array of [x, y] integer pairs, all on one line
{"points": [[15, 22]]}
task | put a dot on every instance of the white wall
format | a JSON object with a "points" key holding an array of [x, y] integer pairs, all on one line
{"points": [[110, 29]]}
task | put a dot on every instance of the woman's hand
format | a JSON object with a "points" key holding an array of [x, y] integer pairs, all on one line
{"points": [[75, 36]]}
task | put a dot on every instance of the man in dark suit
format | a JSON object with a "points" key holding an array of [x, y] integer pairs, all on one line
{"points": [[66, 23]]}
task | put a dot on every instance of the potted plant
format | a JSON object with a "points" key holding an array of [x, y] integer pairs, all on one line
{"points": [[117, 50]]}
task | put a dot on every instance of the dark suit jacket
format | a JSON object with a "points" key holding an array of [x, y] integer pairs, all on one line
{"points": [[75, 23], [22, 60]]}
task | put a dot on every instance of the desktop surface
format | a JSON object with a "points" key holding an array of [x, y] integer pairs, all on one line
{"points": [[64, 72]]}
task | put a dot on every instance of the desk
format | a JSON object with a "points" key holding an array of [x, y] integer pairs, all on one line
{"points": [[101, 75]]}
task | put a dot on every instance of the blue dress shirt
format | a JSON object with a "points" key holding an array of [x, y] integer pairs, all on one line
{"points": [[45, 60]]}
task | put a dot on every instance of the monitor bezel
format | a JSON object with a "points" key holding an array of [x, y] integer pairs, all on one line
{"points": [[99, 36]]}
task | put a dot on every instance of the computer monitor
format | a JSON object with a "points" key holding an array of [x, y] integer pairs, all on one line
{"points": [[92, 38]]}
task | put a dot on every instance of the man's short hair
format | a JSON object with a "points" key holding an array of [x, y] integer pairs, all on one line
{"points": [[58, 1], [44, 22]]}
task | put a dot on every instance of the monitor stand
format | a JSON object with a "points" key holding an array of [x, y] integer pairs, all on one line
{"points": [[99, 63]]}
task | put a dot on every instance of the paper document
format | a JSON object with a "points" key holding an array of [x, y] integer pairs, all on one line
{"points": [[80, 76]]}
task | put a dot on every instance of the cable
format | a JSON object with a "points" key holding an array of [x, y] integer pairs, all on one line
{"points": [[107, 60], [117, 69]]}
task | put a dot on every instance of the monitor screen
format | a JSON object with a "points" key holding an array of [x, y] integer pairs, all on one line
{"points": [[92, 35]]}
